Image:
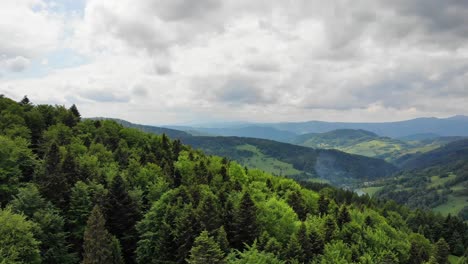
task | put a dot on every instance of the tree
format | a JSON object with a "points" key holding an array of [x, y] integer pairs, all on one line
{"points": [[17, 243], [306, 245], [99, 246], [323, 203], [294, 250], [441, 251], [206, 250], [208, 212], [53, 183], [245, 223], [297, 202], [252, 255], [122, 215], [317, 243], [343, 216], [51, 231], [330, 227], [221, 239], [420, 249]]}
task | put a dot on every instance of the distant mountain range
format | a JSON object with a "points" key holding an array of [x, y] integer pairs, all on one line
{"points": [[291, 160], [369, 144], [419, 127]]}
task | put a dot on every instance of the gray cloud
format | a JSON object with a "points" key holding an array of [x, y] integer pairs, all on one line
{"points": [[306, 58], [104, 96], [17, 64]]}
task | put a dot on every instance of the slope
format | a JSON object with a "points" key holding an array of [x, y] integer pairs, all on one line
{"points": [[300, 162], [435, 180], [94, 191], [369, 144]]}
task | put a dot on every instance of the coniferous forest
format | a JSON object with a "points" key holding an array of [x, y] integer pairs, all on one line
{"points": [[92, 191]]}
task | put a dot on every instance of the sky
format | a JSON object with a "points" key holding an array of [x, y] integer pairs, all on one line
{"points": [[185, 61]]}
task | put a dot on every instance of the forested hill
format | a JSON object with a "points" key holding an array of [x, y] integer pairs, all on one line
{"points": [[91, 191], [436, 180], [172, 133], [295, 161]]}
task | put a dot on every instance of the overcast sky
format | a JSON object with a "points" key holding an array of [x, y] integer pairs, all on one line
{"points": [[186, 61]]}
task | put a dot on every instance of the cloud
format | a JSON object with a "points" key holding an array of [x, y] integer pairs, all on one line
{"points": [[16, 64], [28, 28], [254, 60]]}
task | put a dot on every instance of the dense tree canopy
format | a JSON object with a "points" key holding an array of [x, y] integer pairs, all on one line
{"points": [[158, 201]]}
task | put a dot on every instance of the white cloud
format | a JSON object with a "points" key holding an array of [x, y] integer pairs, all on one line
{"points": [[179, 60], [16, 64]]}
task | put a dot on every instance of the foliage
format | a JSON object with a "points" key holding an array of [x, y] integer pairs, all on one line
{"points": [[164, 202]]}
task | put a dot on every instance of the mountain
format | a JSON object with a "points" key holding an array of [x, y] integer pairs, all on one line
{"points": [[436, 180], [449, 154], [280, 158], [452, 126], [295, 161], [339, 137], [243, 131], [173, 133], [369, 144], [94, 191]]}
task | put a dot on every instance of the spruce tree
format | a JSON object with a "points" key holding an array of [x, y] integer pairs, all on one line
{"points": [[245, 223], [53, 184], [122, 215], [297, 202], [98, 245], [306, 245], [442, 251], [221, 239], [294, 251], [323, 204], [206, 250], [330, 227], [317, 243], [343, 217]]}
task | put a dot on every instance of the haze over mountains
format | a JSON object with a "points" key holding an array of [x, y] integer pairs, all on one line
{"points": [[425, 126]]}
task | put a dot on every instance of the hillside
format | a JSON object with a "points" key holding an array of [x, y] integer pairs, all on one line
{"points": [[452, 152], [331, 166], [93, 191], [436, 180], [452, 126], [244, 131], [299, 162], [369, 144], [173, 133]]}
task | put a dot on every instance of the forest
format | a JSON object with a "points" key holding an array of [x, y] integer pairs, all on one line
{"points": [[93, 191]]}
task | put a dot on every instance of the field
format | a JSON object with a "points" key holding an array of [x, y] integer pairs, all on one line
{"points": [[371, 190], [453, 205], [266, 163]]}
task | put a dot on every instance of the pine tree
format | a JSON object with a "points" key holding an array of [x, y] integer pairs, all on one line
{"points": [[306, 245], [343, 217], [221, 239], [98, 245], [208, 213], [294, 251], [442, 251], [245, 223], [323, 204], [330, 227], [206, 250], [122, 215], [74, 110], [297, 202], [317, 243], [53, 183], [70, 169]]}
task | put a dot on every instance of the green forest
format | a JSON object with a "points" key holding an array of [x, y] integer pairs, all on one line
{"points": [[93, 191]]}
